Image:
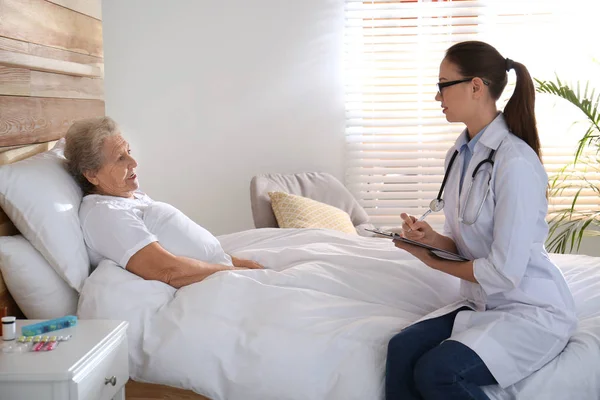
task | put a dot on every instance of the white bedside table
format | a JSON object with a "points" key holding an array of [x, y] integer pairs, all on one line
{"points": [[92, 365]]}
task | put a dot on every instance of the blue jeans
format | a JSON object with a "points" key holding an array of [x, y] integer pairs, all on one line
{"points": [[419, 366]]}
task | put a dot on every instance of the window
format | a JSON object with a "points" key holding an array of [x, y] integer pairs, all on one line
{"points": [[396, 134]]}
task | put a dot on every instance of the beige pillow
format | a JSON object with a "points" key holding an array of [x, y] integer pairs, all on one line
{"points": [[294, 211]]}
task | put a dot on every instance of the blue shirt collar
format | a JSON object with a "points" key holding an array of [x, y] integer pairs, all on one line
{"points": [[498, 131], [463, 141], [474, 141]]}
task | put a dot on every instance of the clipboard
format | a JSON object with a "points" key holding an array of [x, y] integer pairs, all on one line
{"points": [[446, 255]]}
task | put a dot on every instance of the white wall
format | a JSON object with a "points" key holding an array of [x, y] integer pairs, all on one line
{"points": [[210, 93]]}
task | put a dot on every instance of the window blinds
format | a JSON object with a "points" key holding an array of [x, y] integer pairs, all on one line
{"points": [[396, 134]]}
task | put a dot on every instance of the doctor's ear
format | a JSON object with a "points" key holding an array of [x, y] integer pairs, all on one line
{"points": [[477, 86]]}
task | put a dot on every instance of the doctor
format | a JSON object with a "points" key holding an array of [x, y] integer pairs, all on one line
{"points": [[517, 313]]}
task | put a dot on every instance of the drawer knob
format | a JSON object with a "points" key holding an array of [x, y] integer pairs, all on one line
{"points": [[112, 380]]}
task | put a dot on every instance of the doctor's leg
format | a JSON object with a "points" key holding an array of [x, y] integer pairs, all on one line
{"points": [[452, 371], [405, 349]]}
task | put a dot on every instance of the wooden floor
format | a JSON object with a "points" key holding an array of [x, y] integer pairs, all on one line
{"points": [[145, 391]]}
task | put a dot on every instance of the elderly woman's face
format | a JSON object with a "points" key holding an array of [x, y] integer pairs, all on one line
{"points": [[117, 175]]}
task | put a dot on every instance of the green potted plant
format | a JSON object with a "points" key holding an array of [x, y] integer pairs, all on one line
{"points": [[568, 225]]}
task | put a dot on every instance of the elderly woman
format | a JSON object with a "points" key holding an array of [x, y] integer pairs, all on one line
{"points": [[150, 239]]}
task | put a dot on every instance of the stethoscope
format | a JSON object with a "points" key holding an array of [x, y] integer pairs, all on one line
{"points": [[437, 204]]}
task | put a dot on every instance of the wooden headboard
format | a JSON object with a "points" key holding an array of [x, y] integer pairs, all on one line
{"points": [[51, 74]]}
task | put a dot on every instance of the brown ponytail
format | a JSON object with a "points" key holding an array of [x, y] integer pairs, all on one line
{"points": [[519, 112], [479, 59]]}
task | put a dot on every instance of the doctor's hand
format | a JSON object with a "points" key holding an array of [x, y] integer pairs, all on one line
{"points": [[419, 231]]}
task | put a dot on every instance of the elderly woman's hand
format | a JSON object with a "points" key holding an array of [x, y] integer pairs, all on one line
{"points": [[242, 263]]}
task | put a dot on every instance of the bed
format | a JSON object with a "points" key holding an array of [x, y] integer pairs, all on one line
{"points": [[313, 325]]}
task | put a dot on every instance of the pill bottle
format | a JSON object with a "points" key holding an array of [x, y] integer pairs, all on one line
{"points": [[9, 328]]}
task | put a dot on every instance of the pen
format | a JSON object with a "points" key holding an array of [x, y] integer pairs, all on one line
{"points": [[420, 219]]}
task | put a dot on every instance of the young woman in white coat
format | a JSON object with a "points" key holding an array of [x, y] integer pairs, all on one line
{"points": [[517, 313]]}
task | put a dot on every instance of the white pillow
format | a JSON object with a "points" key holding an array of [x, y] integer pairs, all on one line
{"points": [[33, 283], [181, 236], [42, 200]]}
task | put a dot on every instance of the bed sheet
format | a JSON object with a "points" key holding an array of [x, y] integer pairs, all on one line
{"points": [[315, 323]]}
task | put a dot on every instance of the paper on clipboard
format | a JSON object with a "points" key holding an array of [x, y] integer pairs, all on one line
{"points": [[447, 255]]}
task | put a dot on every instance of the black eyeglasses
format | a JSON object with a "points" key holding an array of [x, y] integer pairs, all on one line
{"points": [[442, 85]]}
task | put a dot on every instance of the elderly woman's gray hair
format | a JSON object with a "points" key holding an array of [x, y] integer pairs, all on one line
{"points": [[83, 147]]}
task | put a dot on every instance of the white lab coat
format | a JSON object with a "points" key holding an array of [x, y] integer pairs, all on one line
{"points": [[524, 312]]}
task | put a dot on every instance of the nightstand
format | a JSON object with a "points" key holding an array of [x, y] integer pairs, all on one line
{"points": [[92, 365]]}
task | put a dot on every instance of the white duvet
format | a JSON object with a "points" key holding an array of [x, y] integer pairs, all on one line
{"points": [[315, 324]]}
